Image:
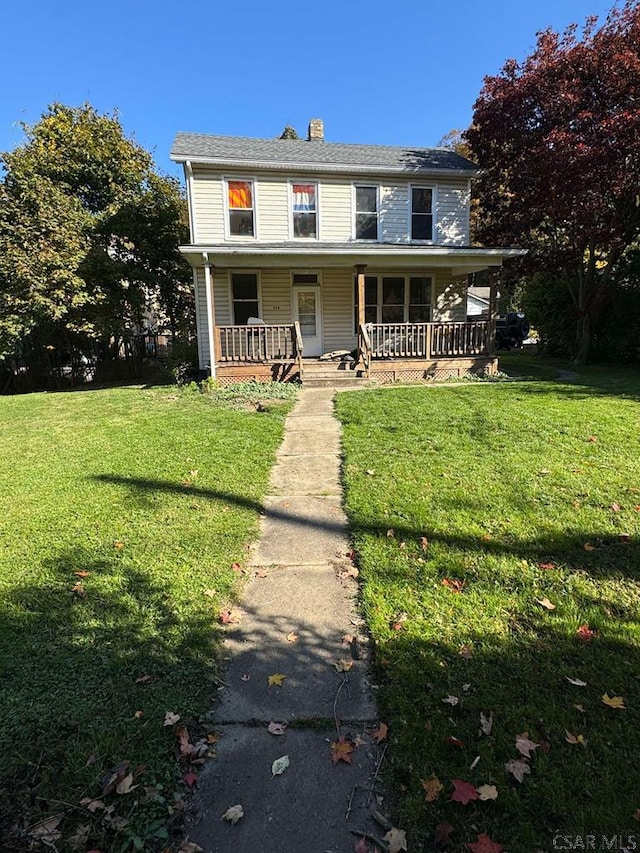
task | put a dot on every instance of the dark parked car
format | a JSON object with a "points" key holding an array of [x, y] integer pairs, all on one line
{"points": [[511, 330]]}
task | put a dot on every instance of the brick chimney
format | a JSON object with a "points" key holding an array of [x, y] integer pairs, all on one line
{"points": [[316, 130]]}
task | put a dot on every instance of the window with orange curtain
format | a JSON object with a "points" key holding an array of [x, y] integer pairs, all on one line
{"points": [[241, 208]]}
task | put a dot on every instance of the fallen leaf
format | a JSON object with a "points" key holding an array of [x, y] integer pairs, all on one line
{"points": [[186, 748], [245, 677], [442, 832], [292, 637], [518, 768], [625, 538], [363, 846], [143, 679], [487, 792], [485, 844], [454, 585], [190, 847], [280, 765], [380, 733], [466, 651], [113, 776], [229, 617], [118, 545], [47, 830], [580, 708], [636, 815], [524, 745], [79, 590], [576, 681], [370, 472], [391, 533], [357, 741], [547, 566], [138, 715], [455, 741], [463, 792], [343, 665], [125, 786], [277, 678], [82, 574], [396, 839], [615, 507], [578, 739], [585, 633], [433, 787], [260, 573], [613, 701], [341, 750], [237, 567], [233, 814], [211, 593], [277, 728], [78, 841], [170, 718], [486, 723], [424, 543], [212, 737], [190, 779], [544, 602], [592, 439], [589, 547], [398, 621], [451, 700], [92, 805], [474, 763], [350, 572]]}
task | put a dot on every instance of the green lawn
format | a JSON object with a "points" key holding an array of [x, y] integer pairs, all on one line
{"points": [[524, 492], [118, 510]]}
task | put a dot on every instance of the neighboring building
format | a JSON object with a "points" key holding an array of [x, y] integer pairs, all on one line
{"points": [[304, 247]]}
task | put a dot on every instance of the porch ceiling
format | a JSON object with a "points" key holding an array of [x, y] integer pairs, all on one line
{"points": [[459, 260]]}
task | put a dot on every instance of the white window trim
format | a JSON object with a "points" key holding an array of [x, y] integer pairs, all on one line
{"points": [[242, 238], [230, 275], [434, 207], [292, 236], [407, 277], [354, 210]]}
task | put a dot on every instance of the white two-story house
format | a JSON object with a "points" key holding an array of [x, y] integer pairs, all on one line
{"points": [[302, 248]]}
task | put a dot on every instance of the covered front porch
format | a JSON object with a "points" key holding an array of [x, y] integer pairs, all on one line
{"points": [[390, 313]]}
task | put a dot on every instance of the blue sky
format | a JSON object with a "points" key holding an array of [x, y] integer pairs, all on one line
{"points": [[387, 73]]}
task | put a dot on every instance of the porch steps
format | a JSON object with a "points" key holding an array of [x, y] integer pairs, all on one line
{"points": [[326, 374]]}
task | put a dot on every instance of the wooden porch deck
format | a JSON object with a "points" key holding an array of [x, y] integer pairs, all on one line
{"points": [[387, 352]]}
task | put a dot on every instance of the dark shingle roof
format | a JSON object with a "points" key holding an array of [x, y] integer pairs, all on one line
{"points": [[340, 156]]}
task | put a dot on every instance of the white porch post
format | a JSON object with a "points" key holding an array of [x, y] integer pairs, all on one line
{"points": [[494, 278], [211, 313]]}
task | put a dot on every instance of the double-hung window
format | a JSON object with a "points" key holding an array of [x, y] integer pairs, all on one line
{"points": [[241, 208], [305, 211], [421, 213], [366, 213], [244, 288]]}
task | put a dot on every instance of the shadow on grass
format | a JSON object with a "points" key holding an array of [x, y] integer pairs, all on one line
{"points": [[70, 658]]}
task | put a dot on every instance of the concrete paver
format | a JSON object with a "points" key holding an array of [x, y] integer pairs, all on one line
{"points": [[296, 611]]}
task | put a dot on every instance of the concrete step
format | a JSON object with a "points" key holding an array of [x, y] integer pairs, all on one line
{"points": [[332, 382]]}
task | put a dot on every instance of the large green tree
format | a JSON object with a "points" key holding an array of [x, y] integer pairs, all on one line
{"points": [[559, 138], [88, 233]]}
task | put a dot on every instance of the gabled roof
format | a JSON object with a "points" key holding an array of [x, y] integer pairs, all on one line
{"points": [[317, 155]]}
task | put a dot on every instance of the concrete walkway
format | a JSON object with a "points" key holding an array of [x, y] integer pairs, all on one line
{"points": [[296, 611]]}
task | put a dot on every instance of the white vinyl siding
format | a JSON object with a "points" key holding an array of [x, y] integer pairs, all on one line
{"points": [[393, 217], [273, 215], [337, 309], [208, 208], [276, 296], [335, 212], [452, 213]]}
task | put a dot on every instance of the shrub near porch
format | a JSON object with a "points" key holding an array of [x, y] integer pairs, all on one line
{"points": [[121, 514], [528, 498]]}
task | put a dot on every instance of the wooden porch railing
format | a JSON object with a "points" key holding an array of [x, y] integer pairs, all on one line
{"points": [[258, 343], [426, 340]]}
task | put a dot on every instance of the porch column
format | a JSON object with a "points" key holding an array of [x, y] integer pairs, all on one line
{"points": [[211, 313], [360, 268], [494, 278]]}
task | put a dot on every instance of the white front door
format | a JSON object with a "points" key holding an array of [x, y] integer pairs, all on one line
{"points": [[307, 310]]}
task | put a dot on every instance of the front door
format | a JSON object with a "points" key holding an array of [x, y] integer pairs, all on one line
{"points": [[307, 310]]}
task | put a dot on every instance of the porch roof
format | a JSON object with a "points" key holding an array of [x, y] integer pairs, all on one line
{"points": [[460, 260]]}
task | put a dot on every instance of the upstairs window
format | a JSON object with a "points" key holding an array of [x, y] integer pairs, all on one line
{"points": [[241, 210], [366, 213], [421, 213], [305, 213], [245, 297]]}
